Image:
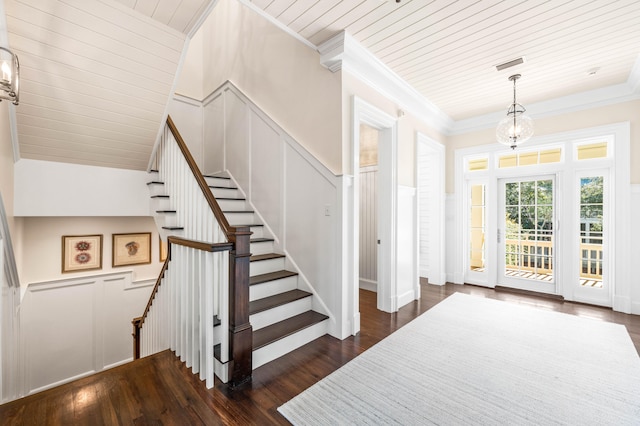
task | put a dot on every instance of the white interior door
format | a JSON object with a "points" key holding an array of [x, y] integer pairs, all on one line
{"points": [[527, 233]]}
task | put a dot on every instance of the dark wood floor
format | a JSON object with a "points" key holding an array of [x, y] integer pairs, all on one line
{"points": [[159, 390]]}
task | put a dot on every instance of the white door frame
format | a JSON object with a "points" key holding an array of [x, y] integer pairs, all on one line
{"points": [[365, 113], [436, 210]]}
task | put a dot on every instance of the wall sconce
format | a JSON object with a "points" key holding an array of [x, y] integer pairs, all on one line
{"points": [[9, 76]]}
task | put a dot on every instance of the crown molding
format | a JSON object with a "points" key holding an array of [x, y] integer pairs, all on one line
{"points": [[343, 52]]}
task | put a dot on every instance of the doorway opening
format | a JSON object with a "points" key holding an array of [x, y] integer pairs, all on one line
{"points": [[368, 207]]}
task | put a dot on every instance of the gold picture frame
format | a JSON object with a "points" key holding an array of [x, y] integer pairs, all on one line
{"points": [[81, 253], [131, 249]]}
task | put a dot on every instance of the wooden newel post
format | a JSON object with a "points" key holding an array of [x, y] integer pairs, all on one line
{"points": [[137, 325], [240, 330]]}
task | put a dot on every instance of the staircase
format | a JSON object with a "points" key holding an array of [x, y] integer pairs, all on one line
{"points": [[281, 313]]}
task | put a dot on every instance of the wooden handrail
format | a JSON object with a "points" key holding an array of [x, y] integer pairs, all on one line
{"points": [[200, 245], [208, 195]]}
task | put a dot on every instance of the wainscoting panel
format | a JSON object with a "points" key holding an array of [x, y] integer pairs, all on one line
{"points": [[77, 326], [267, 172], [186, 113], [213, 134], [295, 194], [237, 149], [368, 228]]}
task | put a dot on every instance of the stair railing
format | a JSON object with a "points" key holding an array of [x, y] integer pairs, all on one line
{"points": [[226, 278]]}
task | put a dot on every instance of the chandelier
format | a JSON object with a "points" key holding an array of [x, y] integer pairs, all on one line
{"points": [[516, 127], [9, 76]]}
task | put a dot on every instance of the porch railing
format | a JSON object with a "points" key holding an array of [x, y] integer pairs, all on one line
{"points": [[537, 256]]}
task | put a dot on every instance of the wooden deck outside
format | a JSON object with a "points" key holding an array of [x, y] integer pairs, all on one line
{"points": [[585, 282], [160, 390]]}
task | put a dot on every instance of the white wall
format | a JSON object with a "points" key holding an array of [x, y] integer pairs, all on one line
{"points": [[279, 73], [79, 326], [47, 188]]}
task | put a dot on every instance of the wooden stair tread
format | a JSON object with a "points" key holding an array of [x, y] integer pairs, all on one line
{"points": [[173, 228], [234, 199], [261, 240], [159, 196], [266, 256], [287, 327], [222, 187], [155, 182], [271, 276], [217, 176], [237, 211], [248, 225], [270, 302], [166, 211]]}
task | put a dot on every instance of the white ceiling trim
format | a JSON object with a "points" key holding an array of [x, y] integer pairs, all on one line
{"points": [[343, 52], [203, 17], [278, 24]]}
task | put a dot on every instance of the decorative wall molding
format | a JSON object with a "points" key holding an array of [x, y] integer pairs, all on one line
{"points": [[287, 187], [85, 321]]}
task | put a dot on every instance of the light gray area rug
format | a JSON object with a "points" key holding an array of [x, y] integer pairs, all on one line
{"points": [[471, 360]]}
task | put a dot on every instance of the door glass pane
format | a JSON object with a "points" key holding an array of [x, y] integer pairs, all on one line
{"points": [[591, 230], [528, 240], [477, 228]]}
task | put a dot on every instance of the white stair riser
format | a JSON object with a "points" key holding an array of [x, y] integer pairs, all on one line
{"points": [[284, 346], [240, 218], [225, 192], [156, 189], [261, 248], [271, 316], [257, 231], [271, 288], [160, 204], [168, 219], [232, 204], [266, 266], [218, 181]]}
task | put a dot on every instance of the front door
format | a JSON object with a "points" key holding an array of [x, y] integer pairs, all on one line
{"points": [[526, 234]]}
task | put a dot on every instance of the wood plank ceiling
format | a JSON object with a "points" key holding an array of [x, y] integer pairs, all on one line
{"points": [[447, 49], [96, 75]]}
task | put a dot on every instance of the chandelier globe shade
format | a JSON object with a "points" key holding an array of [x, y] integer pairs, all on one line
{"points": [[517, 127]]}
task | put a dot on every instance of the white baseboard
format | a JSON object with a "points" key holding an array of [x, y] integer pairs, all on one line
{"points": [[369, 285]]}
